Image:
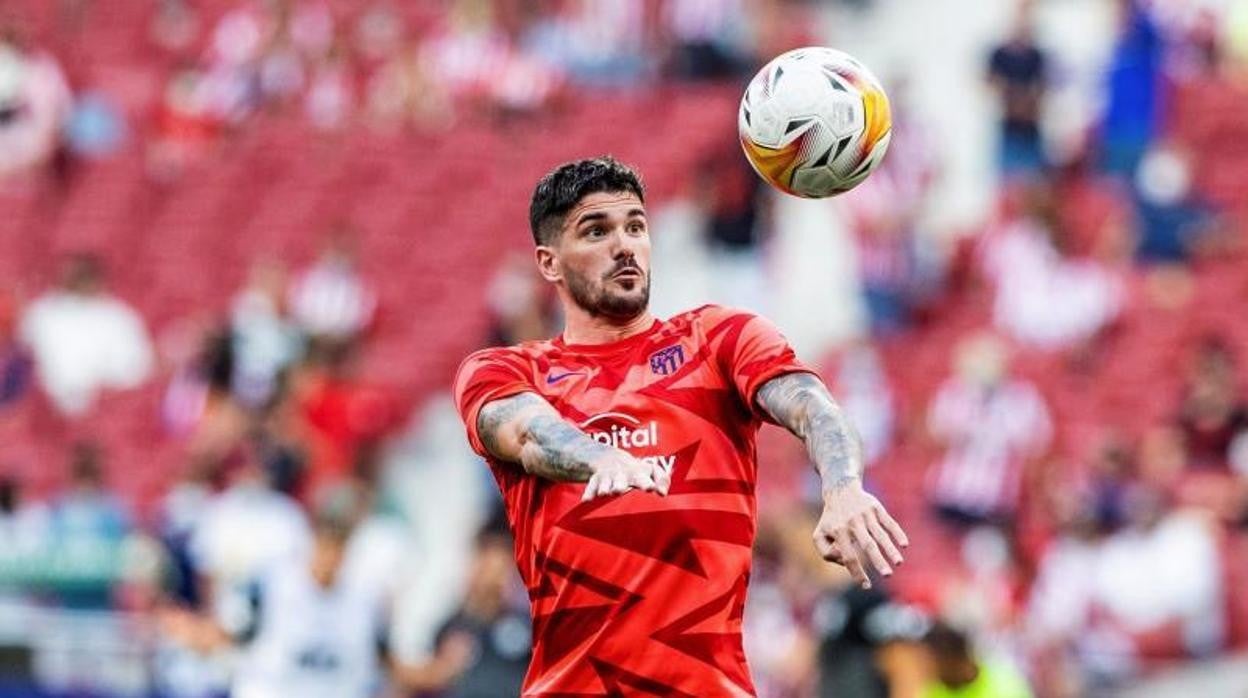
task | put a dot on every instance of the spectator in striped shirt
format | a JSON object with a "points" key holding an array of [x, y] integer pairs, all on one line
{"points": [[990, 425]]}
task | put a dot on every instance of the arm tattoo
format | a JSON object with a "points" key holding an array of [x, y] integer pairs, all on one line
{"points": [[800, 403], [550, 447], [557, 450]]}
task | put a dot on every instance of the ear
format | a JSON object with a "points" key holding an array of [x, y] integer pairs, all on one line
{"points": [[548, 263]]}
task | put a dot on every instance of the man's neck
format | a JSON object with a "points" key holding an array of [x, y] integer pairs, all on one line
{"points": [[583, 328]]}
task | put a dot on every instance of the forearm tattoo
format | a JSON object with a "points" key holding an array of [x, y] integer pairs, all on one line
{"points": [[800, 403], [550, 447]]}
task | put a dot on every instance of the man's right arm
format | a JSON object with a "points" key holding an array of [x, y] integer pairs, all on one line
{"points": [[527, 430]]}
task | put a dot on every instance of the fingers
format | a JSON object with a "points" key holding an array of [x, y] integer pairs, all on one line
{"points": [[886, 543], [826, 548], [620, 482], [841, 551], [864, 541], [849, 558], [662, 480], [892, 526], [619, 479], [591, 487]]}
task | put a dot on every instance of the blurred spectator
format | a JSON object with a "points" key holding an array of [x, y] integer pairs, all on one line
{"points": [[520, 306], [402, 92], [991, 426], [84, 339], [281, 75], [1133, 83], [330, 300], [1110, 479], [24, 525], [489, 637], [1019, 73], [187, 123], [1147, 592], [304, 626], [1092, 211], [88, 513], [1213, 415], [245, 529], [35, 103], [862, 388], [898, 265], [866, 646], [331, 90], [707, 38], [265, 340], [960, 673], [342, 416], [596, 42], [233, 84], [87, 525], [468, 51], [1171, 219], [1045, 298], [241, 35]]}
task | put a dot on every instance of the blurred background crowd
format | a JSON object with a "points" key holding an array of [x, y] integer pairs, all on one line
{"points": [[246, 242]]}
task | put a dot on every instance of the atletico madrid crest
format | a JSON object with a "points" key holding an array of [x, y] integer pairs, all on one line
{"points": [[665, 361]]}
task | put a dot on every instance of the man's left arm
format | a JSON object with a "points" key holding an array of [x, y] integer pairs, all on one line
{"points": [[854, 524]]}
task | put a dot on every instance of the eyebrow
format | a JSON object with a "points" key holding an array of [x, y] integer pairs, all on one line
{"points": [[592, 216], [601, 216]]}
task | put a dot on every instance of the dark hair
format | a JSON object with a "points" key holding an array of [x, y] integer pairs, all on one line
{"points": [[561, 189], [947, 641]]}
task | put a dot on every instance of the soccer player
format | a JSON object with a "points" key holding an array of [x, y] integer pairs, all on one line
{"points": [[624, 449]]}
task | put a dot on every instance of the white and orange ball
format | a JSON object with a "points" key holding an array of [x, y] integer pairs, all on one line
{"points": [[814, 122]]}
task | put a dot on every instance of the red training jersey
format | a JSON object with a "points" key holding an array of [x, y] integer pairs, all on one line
{"points": [[638, 593]]}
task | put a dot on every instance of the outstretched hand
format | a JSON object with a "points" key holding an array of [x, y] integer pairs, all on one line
{"points": [[855, 529]]}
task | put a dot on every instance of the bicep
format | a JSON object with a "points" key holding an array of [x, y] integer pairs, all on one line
{"points": [[502, 423]]}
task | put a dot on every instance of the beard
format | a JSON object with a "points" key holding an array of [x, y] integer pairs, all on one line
{"points": [[602, 300]]}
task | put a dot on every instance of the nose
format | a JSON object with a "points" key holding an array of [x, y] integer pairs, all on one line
{"points": [[624, 254], [624, 245]]}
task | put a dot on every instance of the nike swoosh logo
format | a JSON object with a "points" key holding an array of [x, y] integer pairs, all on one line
{"points": [[552, 379]]}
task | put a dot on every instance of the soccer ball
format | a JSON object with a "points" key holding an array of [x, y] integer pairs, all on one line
{"points": [[814, 122]]}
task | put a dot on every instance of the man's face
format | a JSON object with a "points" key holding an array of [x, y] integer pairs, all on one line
{"points": [[603, 255]]}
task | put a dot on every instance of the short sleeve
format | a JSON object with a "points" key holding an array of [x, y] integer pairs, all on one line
{"points": [[753, 352], [485, 376]]}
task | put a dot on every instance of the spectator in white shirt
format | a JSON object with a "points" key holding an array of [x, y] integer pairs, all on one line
{"points": [[1150, 591], [35, 102], [265, 340], [330, 300], [84, 339], [1043, 298]]}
